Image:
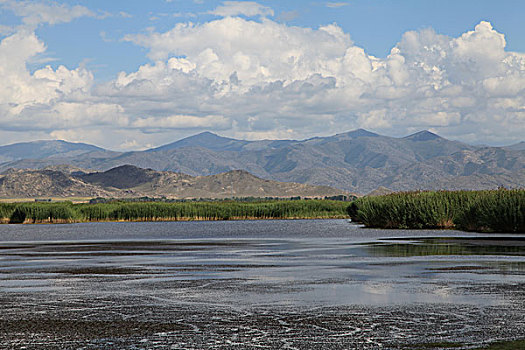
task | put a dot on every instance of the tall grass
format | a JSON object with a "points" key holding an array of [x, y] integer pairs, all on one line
{"points": [[501, 211], [488, 211], [40, 212], [145, 211]]}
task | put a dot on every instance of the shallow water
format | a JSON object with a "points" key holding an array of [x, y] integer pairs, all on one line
{"points": [[248, 270]]}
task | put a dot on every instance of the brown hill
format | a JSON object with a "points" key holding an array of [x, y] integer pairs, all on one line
{"points": [[131, 181], [47, 183], [236, 183]]}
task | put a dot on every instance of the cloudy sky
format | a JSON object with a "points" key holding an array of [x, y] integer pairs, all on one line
{"points": [[128, 75]]}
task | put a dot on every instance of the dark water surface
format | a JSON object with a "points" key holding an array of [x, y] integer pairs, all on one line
{"points": [[241, 284]]}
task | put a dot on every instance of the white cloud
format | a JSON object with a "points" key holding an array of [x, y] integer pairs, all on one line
{"points": [[336, 4], [34, 13], [183, 122], [263, 79], [246, 8], [22, 89], [310, 81], [266, 51], [125, 14]]}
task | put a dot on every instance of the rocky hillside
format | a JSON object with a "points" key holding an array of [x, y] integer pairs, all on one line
{"points": [[131, 181], [48, 183]]}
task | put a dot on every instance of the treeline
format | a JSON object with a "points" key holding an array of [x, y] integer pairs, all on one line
{"points": [[484, 211], [64, 212], [344, 198]]}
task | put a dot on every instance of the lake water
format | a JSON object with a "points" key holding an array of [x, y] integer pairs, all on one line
{"points": [[273, 284]]}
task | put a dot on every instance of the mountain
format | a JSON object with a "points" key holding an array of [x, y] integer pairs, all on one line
{"points": [[423, 135], [44, 149], [206, 140], [520, 146], [131, 181], [357, 161], [218, 143]]}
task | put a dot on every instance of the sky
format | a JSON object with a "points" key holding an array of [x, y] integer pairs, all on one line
{"points": [[129, 74]]}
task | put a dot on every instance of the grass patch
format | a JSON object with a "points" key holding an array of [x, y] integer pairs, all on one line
{"points": [[506, 345], [486, 211], [65, 212]]}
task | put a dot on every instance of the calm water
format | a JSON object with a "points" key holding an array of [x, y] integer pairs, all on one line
{"points": [[115, 270]]}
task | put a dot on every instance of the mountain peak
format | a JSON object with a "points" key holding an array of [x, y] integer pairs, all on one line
{"points": [[204, 134], [206, 140], [520, 146], [362, 133], [423, 135], [355, 133]]}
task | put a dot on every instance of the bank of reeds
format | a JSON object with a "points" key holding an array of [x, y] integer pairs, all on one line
{"points": [[485, 211], [144, 211]]}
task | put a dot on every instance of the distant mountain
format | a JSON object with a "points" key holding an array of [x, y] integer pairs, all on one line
{"points": [[356, 161], [44, 149], [218, 143], [424, 135], [206, 140], [131, 181], [520, 146]]}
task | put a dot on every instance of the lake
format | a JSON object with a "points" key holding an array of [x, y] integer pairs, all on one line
{"points": [[241, 284]]}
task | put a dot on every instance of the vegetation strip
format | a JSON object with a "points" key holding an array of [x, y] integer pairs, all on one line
{"points": [[506, 345], [67, 212], [483, 211]]}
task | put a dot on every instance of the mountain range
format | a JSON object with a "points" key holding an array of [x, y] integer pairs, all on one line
{"points": [[358, 161]]}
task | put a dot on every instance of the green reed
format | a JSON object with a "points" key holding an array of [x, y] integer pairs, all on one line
{"points": [[158, 211], [488, 211]]}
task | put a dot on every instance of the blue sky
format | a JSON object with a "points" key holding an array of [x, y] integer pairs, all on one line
{"points": [[333, 61]]}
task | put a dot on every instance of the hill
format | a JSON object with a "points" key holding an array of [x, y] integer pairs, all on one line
{"points": [[131, 181]]}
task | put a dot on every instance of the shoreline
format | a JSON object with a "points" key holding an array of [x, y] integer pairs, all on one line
{"points": [[182, 219]]}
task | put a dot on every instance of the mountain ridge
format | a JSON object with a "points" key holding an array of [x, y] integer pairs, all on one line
{"points": [[44, 148], [356, 161]]}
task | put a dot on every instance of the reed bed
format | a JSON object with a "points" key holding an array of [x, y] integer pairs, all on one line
{"points": [[484, 211], [146, 211]]}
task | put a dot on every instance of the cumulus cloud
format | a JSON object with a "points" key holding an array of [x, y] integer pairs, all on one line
{"points": [[263, 79], [266, 51], [47, 99], [246, 8], [21, 88]]}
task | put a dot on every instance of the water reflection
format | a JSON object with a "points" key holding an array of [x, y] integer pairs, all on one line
{"points": [[439, 246], [242, 264]]}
